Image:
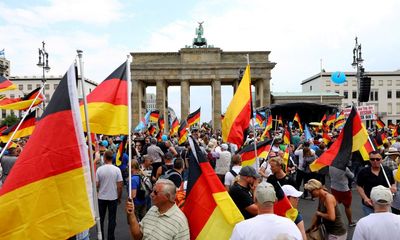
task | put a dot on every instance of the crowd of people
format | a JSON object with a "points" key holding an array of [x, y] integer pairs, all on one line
{"points": [[159, 173]]}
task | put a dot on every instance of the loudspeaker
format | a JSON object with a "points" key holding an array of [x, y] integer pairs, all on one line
{"points": [[365, 89]]}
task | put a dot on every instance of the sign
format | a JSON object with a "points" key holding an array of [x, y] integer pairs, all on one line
{"points": [[366, 112]]}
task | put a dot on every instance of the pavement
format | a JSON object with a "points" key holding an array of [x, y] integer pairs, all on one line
{"points": [[306, 207]]}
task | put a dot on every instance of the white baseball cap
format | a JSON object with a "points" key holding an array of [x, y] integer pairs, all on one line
{"points": [[290, 191], [381, 195]]}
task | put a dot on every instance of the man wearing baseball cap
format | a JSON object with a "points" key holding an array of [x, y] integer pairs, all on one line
{"points": [[266, 225], [242, 191], [382, 224], [293, 195]]}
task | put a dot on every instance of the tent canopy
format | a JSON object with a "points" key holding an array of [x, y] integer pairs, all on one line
{"points": [[308, 112]]}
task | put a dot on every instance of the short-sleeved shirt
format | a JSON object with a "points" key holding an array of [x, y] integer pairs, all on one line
{"points": [[287, 180], [136, 186], [108, 175], [242, 198], [169, 225], [229, 177], [367, 180]]}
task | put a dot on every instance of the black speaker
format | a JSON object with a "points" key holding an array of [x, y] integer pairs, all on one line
{"points": [[365, 89]]}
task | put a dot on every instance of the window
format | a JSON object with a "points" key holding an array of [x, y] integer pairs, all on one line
{"points": [[354, 82], [397, 82], [345, 94], [38, 85], [55, 86], [397, 108], [390, 121], [3, 113], [337, 91], [47, 97], [20, 87], [376, 96], [389, 94], [354, 94], [47, 87], [346, 84], [397, 94], [389, 82], [29, 86], [12, 96], [372, 82], [389, 108], [328, 82], [380, 82]]}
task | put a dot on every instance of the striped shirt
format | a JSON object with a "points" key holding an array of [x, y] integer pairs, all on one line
{"points": [[169, 225]]}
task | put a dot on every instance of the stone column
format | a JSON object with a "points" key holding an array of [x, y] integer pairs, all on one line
{"points": [[216, 104], [137, 102], [185, 98], [166, 122], [266, 90], [161, 98], [259, 93]]}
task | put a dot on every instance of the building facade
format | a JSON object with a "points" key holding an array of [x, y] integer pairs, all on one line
{"points": [[26, 84], [150, 102], [4, 67], [384, 95]]}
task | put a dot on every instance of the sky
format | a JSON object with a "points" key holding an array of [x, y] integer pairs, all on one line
{"points": [[299, 35]]}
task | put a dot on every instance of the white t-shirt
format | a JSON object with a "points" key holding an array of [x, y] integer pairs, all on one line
{"points": [[229, 176], [267, 168], [266, 226], [223, 163], [108, 175], [299, 154], [384, 225]]}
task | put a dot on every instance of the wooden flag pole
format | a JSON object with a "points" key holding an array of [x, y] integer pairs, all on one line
{"points": [[94, 187], [128, 79]]}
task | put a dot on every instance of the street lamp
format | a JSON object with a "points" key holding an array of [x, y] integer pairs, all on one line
{"points": [[363, 82], [44, 64]]}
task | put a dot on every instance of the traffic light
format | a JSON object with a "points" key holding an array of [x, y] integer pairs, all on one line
{"points": [[365, 89]]}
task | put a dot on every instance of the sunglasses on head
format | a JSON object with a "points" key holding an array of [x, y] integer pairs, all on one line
{"points": [[375, 159]]}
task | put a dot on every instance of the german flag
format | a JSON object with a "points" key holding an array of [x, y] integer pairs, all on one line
{"points": [[154, 115], [297, 119], [323, 119], [193, 118], [282, 206], [159, 136], [151, 130], [366, 149], [285, 159], [210, 211], [259, 118], [287, 136], [326, 138], [339, 123], [6, 84], [331, 119], [266, 133], [248, 154], [182, 132], [108, 104], [48, 192], [352, 137], [239, 112], [22, 103], [161, 124], [26, 128], [379, 123], [174, 127], [280, 122], [391, 126], [123, 146]]}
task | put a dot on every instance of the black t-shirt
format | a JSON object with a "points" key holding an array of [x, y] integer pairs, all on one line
{"points": [[242, 197], [287, 180], [367, 180], [175, 177]]}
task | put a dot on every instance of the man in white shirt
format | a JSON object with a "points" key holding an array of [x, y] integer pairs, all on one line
{"points": [[109, 187], [234, 171], [382, 224], [266, 225], [223, 162]]}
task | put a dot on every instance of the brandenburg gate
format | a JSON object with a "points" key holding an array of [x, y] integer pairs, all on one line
{"points": [[196, 65]]}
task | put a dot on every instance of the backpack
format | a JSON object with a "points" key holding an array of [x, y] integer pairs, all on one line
{"points": [[145, 187], [170, 173]]}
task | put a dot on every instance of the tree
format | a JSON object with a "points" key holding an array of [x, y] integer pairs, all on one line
{"points": [[10, 120]]}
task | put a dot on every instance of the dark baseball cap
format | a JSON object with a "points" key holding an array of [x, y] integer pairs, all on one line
{"points": [[249, 171]]}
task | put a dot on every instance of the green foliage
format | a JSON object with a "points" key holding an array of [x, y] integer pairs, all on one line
{"points": [[10, 120]]}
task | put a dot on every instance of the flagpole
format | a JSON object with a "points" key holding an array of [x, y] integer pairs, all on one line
{"points": [[128, 79], [88, 133], [253, 121], [20, 122], [383, 170]]}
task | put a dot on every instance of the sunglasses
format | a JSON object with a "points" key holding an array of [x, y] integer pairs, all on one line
{"points": [[375, 159]]}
